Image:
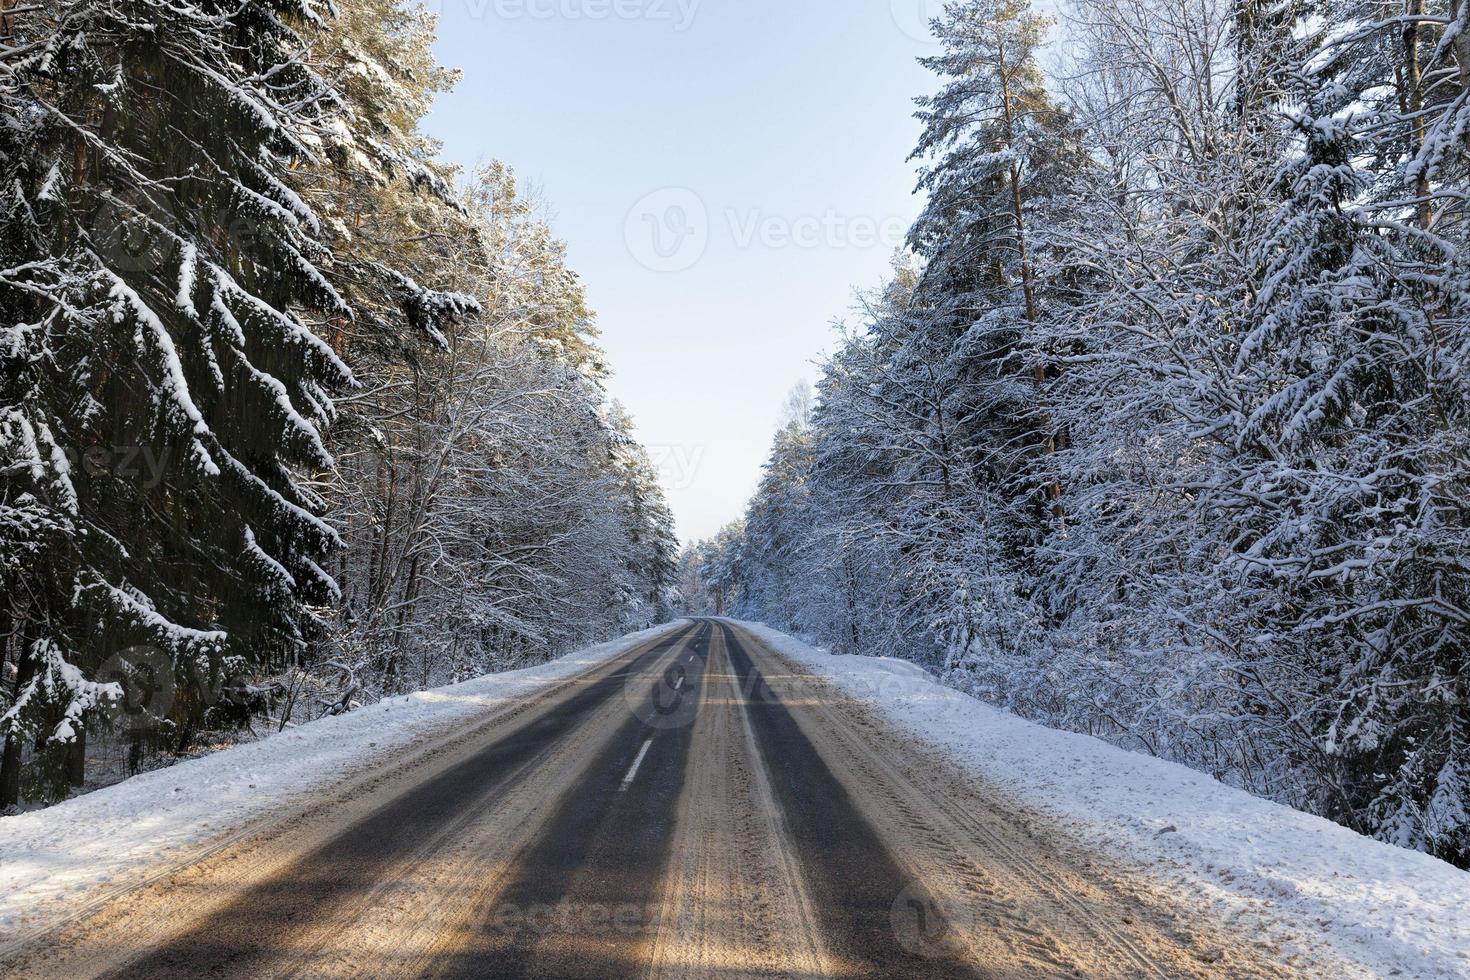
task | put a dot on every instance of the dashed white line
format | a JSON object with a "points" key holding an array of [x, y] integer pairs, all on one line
{"points": [[628, 779], [680, 683]]}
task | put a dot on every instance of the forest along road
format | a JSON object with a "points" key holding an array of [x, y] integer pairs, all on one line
{"points": [[696, 808]]}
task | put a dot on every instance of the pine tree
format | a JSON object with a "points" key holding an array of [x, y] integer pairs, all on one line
{"points": [[651, 543], [1001, 155], [167, 279]]}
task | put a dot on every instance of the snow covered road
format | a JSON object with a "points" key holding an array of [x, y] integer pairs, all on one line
{"points": [[708, 800]]}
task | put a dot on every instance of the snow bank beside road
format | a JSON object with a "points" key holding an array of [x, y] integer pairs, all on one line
{"points": [[1255, 865], [54, 862]]}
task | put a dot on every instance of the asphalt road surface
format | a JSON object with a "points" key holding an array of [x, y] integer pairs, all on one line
{"points": [[696, 808]]}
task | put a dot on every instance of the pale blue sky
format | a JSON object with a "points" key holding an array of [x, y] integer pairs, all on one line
{"points": [[725, 173]]}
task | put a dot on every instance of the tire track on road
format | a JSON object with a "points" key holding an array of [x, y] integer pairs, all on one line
{"points": [[1021, 903], [734, 904], [461, 882], [877, 918], [584, 898]]}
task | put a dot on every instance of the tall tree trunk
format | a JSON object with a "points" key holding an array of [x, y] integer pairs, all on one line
{"points": [[11, 755], [10, 773], [1462, 55], [1028, 275], [1412, 101], [76, 760], [7, 22]]}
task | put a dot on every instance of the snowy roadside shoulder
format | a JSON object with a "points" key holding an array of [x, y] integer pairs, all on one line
{"points": [[1254, 865], [56, 861]]}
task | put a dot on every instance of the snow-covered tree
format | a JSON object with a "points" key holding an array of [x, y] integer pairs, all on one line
{"points": [[210, 210], [503, 511], [775, 524], [708, 573], [1349, 437], [1209, 300], [999, 157], [161, 272]]}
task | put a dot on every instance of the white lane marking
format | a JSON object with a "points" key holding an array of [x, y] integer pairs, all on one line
{"points": [[680, 684], [628, 779]]}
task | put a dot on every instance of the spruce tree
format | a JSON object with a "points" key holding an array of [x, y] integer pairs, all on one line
{"points": [[167, 392], [1351, 470]]}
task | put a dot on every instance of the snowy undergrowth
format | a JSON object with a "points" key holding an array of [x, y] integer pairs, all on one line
{"points": [[55, 861], [1254, 865]]}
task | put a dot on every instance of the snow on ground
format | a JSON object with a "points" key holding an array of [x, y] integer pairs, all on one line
{"points": [[1252, 864], [56, 861]]}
